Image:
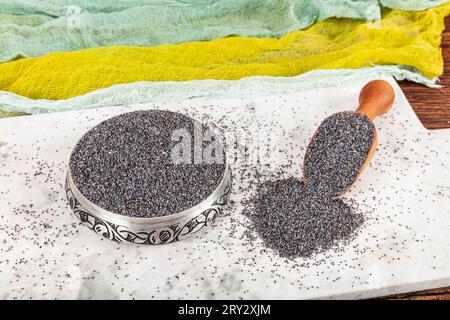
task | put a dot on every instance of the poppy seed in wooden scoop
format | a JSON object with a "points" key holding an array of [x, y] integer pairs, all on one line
{"points": [[299, 219], [124, 165], [337, 152], [345, 142]]}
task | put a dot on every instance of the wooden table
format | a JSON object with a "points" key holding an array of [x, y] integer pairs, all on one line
{"points": [[432, 106]]}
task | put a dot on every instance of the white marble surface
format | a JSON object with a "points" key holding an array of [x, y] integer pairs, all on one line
{"points": [[403, 246]]}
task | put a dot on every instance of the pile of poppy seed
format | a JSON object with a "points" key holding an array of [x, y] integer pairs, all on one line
{"points": [[298, 218], [124, 165]]}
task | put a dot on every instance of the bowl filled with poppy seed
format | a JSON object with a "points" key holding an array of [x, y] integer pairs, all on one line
{"points": [[148, 177]]}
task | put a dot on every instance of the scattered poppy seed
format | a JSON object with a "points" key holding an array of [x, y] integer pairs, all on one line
{"points": [[295, 222]]}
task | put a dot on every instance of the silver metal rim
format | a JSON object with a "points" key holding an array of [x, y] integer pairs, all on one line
{"points": [[153, 233]]}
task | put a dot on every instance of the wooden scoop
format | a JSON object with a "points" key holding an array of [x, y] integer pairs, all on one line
{"points": [[375, 99]]}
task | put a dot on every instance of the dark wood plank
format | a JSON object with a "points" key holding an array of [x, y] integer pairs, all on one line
{"points": [[436, 294]]}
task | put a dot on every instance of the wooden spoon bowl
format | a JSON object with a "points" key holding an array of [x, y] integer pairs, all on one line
{"points": [[375, 99]]}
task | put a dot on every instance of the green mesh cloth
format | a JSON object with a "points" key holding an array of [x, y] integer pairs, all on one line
{"points": [[33, 28], [411, 4], [164, 91]]}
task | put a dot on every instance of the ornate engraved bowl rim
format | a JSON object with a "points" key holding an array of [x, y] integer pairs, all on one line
{"points": [[154, 221]]}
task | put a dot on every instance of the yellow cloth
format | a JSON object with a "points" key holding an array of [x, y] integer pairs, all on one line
{"points": [[404, 38]]}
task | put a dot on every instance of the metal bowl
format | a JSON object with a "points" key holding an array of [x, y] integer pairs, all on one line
{"points": [[155, 230], [158, 230]]}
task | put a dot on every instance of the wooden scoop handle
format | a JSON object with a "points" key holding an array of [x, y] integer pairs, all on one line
{"points": [[376, 98]]}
